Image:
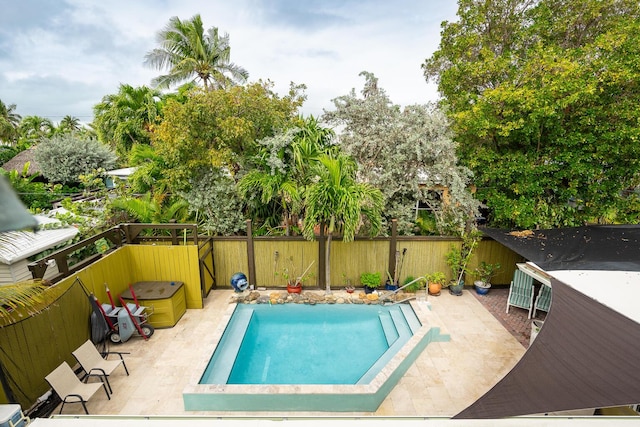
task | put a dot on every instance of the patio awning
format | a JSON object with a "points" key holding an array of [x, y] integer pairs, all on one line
{"points": [[585, 356]]}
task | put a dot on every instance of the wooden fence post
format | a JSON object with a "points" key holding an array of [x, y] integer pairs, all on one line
{"points": [[393, 248], [251, 256], [322, 270]]}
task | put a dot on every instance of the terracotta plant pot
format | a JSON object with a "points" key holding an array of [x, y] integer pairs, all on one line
{"points": [[435, 288], [294, 288]]}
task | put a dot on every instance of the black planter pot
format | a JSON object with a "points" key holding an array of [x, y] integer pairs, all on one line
{"points": [[456, 288], [368, 290]]}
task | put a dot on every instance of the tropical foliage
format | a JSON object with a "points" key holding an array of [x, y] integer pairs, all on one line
{"points": [[336, 199], [126, 118], [34, 194], [34, 128], [220, 128], [20, 299], [191, 53], [65, 157], [409, 154], [543, 98], [214, 200], [283, 168], [152, 210], [9, 122]]}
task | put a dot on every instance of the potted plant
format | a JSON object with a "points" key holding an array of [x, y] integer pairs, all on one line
{"points": [[458, 258], [390, 284], [436, 281], [293, 281], [484, 272], [370, 281]]}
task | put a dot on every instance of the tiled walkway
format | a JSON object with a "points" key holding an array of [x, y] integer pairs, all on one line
{"points": [[445, 379], [516, 321]]}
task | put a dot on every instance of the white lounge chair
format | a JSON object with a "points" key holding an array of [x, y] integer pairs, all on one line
{"points": [[69, 387], [94, 365]]}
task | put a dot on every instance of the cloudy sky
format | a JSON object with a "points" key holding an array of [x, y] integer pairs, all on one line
{"points": [[60, 57]]}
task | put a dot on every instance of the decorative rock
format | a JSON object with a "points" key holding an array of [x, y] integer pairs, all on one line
{"points": [[316, 298], [372, 297], [340, 300], [263, 299]]}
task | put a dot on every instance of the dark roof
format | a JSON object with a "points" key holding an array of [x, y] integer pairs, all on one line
{"points": [[585, 355]]}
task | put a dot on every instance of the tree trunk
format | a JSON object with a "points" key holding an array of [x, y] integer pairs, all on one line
{"points": [[327, 254], [327, 264]]}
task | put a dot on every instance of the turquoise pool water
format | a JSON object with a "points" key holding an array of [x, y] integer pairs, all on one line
{"points": [[307, 344], [405, 329]]}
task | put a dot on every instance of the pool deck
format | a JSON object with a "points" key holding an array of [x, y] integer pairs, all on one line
{"points": [[445, 379]]}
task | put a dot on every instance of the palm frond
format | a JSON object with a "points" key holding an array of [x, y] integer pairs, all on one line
{"points": [[20, 299]]}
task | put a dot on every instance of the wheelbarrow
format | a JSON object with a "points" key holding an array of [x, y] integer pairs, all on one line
{"points": [[127, 320]]}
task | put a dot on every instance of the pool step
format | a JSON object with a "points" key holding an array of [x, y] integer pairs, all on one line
{"points": [[412, 319], [226, 352], [400, 321], [389, 328]]}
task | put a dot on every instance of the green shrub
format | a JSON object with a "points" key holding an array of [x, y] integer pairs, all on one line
{"points": [[65, 157], [370, 280], [413, 287]]}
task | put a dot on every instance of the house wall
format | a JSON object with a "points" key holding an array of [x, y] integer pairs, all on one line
{"points": [[19, 272]]}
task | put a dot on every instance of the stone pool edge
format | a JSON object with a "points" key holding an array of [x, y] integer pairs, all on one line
{"points": [[331, 398]]}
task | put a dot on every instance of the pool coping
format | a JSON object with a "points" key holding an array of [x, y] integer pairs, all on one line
{"points": [[317, 397]]}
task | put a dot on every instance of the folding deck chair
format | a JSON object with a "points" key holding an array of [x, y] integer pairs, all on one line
{"points": [[521, 292], [543, 300], [94, 365], [69, 387]]}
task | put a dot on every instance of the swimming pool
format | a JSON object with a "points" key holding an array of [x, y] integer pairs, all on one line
{"points": [[351, 364]]}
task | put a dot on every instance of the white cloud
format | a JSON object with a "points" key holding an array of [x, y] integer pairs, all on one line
{"points": [[89, 48]]}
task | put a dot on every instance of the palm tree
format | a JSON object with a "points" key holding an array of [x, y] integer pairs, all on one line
{"points": [[36, 127], [190, 53], [124, 119], [296, 151], [69, 124], [9, 122], [149, 210], [272, 187], [336, 199]]}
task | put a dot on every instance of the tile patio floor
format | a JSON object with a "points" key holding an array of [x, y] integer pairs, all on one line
{"points": [[446, 378]]}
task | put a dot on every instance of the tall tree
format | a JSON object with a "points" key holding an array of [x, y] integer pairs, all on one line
{"points": [[69, 124], [409, 154], [126, 118], [274, 186], [220, 128], [9, 122], [33, 128], [190, 53], [543, 99], [336, 199]]}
